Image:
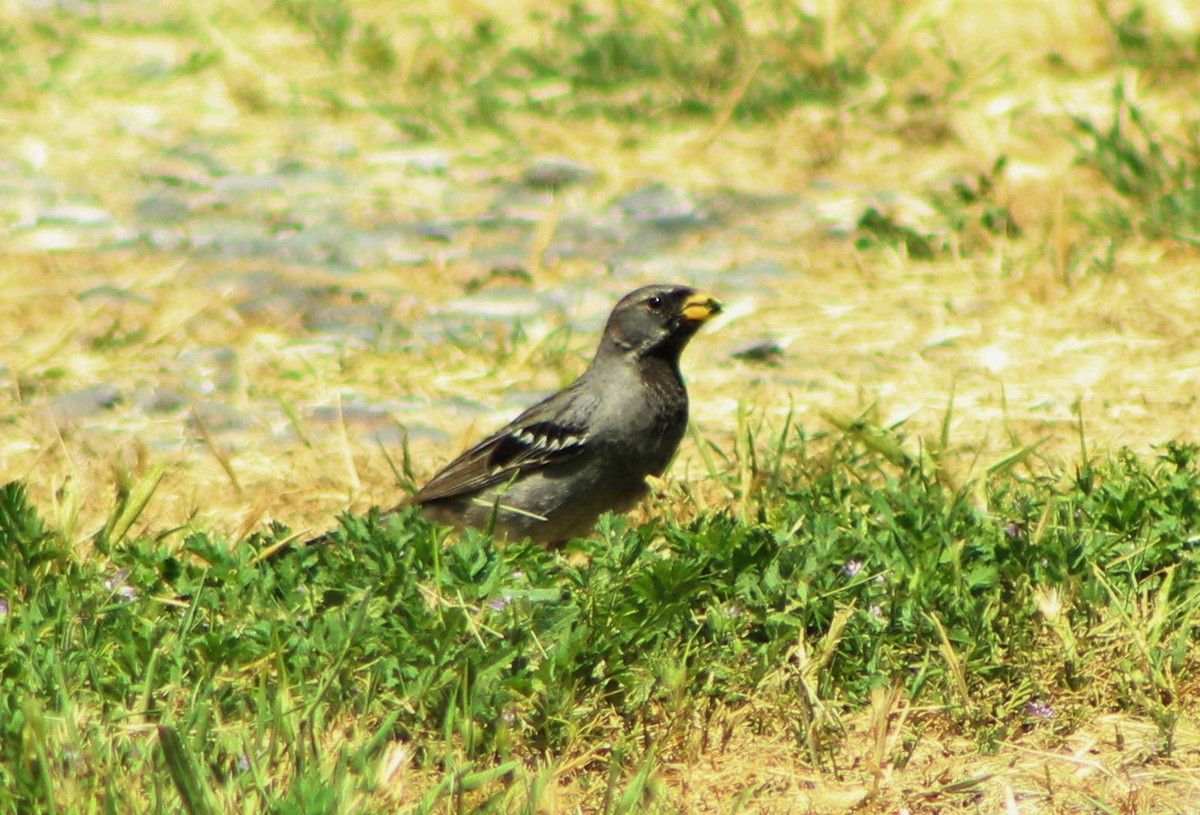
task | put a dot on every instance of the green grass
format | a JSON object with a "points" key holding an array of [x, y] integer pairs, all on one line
{"points": [[252, 677], [1157, 176], [683, 57], [1140, 39], [621, 61]]}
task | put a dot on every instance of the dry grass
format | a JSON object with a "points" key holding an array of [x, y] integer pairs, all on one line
{"points": [[1114, 760]]}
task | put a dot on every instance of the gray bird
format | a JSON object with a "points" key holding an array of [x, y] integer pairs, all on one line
{"points": [[587, 449]]}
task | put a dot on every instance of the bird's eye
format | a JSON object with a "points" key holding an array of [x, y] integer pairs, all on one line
{"points": [[654, 303]]}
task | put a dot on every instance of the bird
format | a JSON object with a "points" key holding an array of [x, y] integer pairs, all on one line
{"points": [[588, 449]]}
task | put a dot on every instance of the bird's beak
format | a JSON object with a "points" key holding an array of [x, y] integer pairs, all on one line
{"points": [[700, 307]]}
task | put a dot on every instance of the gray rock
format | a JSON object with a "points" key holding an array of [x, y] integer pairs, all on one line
{"points": [[518, 206], [159, 400], [176, 175], [279, 304], [662, 207], [441, 232], [761, 349], [554, 173], [86, 402]]}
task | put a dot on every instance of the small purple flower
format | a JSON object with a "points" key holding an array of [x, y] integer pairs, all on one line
{"points": [[500, 603], [876, 611], [852, 567], [116, 580], [243, 763], [1039, 710], [3, 607], [1012, 530], [117, 584]]}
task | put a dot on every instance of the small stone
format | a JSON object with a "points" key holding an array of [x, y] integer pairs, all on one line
{"points": [[661, 206], [518, 208], [762, 349], [439, 232], [86, 402], [159, 400], [280, 304], [554, 173]]}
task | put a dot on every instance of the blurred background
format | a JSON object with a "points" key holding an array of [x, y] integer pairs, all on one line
{"points": [[249, 253]]}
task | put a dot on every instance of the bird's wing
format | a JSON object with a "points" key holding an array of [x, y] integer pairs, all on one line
{"points": [[549, 432]]}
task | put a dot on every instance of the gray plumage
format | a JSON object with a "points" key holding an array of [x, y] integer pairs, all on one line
{"points": [[587, 449]]}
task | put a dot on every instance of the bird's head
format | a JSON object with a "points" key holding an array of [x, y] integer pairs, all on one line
{"points": [[658, 320]]}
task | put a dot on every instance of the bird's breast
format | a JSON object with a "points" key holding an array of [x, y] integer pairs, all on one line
{"points": [[640, 423]]}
